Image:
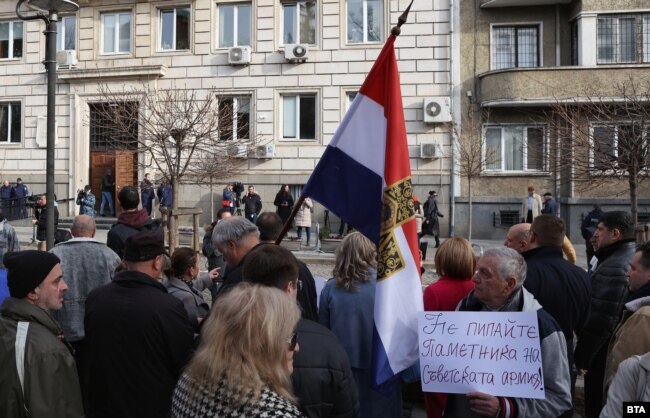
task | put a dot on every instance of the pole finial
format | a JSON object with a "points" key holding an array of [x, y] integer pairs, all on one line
{"points": [[396, 30]]}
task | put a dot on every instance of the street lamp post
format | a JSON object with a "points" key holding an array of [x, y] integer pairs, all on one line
{"points": [[52, 8]]}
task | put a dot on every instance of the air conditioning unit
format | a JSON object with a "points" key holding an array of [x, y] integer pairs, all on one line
{"points": [[437, 109], [296, 52], [67, 58], [430, 151], [239, 55], [265, 151], [238, 151]]}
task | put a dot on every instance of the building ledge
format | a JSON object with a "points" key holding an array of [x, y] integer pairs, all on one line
{"points": [[486, 4], [141, 71]]}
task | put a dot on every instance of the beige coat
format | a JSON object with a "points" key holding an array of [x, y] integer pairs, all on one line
{"points": [[303, 216], [537, 206], [419, 217]]}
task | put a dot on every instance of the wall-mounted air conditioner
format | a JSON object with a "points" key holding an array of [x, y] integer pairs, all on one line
{"points": [[238, 151], [67, 58], [265, 151], [437, 109], [239, 55], [430, 151], [296, 52]]}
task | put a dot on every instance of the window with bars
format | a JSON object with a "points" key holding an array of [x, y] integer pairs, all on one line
{"points": [[623, 38], [11, 39], [10, 122], [514, 148], [615, 146], [234, 118], [103, 134], [515, 46]]}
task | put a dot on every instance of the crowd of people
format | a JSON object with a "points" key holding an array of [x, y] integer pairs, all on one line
{"points": [[124, 329]]}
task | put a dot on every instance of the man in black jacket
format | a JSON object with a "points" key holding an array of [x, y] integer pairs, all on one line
{"points": [[614, 242], [270, 226], [322, 379], [252, 204], [138, 337], [131, 220], [41, 221], [562, 288]]}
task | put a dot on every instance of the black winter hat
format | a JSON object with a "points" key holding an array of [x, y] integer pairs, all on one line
{"points": [[143, 246], [27, 269]]}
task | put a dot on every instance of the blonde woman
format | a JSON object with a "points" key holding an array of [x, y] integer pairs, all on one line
{"points": [[346, 307], [244, 363]]}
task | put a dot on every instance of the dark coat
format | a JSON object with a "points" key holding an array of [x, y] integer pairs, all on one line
{"points": [[20, 190], [589, 223], [6, 192], [562, 288], [139, 339], [322, 379], [128, 224], [41, 225], [252, 204], [284, 203], [307, 295], [609, 291], [550, 207], [431, 226]]}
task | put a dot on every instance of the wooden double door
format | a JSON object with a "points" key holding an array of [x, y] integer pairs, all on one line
{"points": [[123, 165]]}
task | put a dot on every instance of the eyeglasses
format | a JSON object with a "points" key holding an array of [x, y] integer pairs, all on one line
{"points": [[293, 341]]}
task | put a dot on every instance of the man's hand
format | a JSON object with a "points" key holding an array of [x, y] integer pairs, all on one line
{"points": [[34, 221], [483, 404], [215, 274]]}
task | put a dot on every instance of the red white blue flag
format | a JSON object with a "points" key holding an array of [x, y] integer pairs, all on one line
{"points": [[364, 177]]}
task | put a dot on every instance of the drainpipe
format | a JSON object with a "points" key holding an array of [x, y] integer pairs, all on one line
{"points": [[454, 92]]}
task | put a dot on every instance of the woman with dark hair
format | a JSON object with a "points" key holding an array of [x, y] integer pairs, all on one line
{"points": [[284, 202], [183, 283], [347, 308], [455, 263], [244, 363]]}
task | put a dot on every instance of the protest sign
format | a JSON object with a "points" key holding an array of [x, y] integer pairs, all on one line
{"points": [[492, 352]]}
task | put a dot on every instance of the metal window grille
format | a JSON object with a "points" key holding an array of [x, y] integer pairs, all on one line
{"points": [[506, 218], [104, 135], [623, 38], [515, 46], [643, 217]]}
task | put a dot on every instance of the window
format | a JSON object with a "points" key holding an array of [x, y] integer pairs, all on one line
{"points": [[116, 33], [103, 134], [299, 117], [234, 118], [11, 39], [10, 122], [234, 25], [623, 38], [351, 95], [175, 29], [614, 146], [299, 22], [575, 47], [515, 46], [514, 148], [365, 22], [66, 33]]}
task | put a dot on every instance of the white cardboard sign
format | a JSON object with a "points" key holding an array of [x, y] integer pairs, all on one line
{"points": [[491, 352]]}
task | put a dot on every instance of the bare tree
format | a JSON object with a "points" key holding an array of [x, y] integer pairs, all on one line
{"points": [[604, 140], [183, 134], [472, 156]]}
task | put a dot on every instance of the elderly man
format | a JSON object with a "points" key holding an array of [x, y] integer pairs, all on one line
{"points": [[86, 264], [234, 237], [614, 243], [632, 336], [138, 336], [37, 370], [562, 288], [531, 206], [498, 281], [322, 378]]}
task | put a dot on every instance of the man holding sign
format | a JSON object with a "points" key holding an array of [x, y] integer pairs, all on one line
{"points": [[499, 280]]}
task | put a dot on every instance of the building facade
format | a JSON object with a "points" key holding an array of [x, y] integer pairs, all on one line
{"points": [[289, 69]]}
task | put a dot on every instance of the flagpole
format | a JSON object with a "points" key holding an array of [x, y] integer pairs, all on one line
{"points": [[396, 30], [287, 224]]}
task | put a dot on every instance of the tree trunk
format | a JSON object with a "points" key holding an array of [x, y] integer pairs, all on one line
{"points": [[211, 200], [634, 199], [469, 192], [173, 219]]}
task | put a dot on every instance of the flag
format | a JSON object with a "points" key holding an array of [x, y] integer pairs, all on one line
{"points": [[364, 177]]}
